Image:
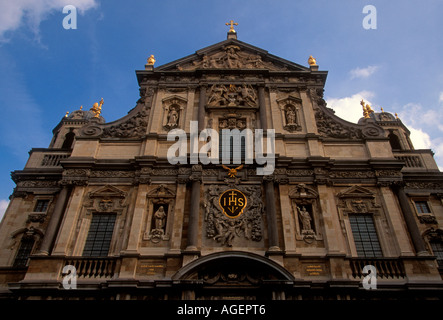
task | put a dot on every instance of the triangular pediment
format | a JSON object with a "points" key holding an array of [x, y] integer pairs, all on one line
{"points": [[107, 191], [232, 54], [356, 192]]}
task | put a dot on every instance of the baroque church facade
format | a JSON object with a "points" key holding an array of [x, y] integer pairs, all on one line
{"points": [[103, 206]]}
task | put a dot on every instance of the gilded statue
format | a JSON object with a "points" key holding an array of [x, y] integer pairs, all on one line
{"points": [[367, 110], [97, 108]]}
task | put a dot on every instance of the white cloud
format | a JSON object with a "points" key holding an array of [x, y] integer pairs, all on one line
{"points": [[16, 13], [3, 206], [349, 108], [418, 120], [440, 99], [419, 138], [363, 72]]}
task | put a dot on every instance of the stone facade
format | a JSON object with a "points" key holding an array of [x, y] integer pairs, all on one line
{"points": [[292, 236]]}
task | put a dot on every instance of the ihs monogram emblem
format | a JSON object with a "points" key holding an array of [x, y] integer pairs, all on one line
{"points": [[233, 202]]}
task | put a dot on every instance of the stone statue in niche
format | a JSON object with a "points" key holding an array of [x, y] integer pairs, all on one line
{"points": [[173, 118], [159, 217], [305, 218], [291, 118], [157, 232]]}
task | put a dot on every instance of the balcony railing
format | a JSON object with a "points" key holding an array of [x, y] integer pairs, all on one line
{"points": [[46, 158], [386, 268], [53, 160], [411, 161], [92, 268], [420, 160]]}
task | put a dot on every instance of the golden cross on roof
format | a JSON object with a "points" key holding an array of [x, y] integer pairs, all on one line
{"points": [[232, 24]]}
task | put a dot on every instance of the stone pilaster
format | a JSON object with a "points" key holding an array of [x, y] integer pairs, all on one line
{"points": [[195, 208], [201, 108], [262, 107], [54, 223], [408, 215]]}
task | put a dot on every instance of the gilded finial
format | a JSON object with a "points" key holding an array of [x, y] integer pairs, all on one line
{"points": [[81, 107], [231, 24], [151, 60], [312, 61], [396, 116], [382, 109], [66, 115]]}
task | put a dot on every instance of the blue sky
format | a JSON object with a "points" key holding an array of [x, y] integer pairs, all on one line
{"points": [[46, 70]]}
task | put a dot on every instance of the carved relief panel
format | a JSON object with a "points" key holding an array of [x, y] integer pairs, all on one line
{"points": [[230, 57], [232, 95], [233, 216]]}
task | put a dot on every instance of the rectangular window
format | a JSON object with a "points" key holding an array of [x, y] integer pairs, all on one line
{"points": [[422, 207], [233, 145], [99, 235], [365, 236], [41, 206], [24, 251], [437, 250]]}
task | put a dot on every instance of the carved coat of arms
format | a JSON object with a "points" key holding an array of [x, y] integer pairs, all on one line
{"points": [[233, 214]]}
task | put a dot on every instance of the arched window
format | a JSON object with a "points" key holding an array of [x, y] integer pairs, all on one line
{"points": [[394, 141], [69, 140]]}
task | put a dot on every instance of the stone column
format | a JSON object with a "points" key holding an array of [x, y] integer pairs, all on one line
{"points": [[271, 213], [195, 208], [201, 108], [55, 221], [262, 107], [408, 215], [334, 240]]}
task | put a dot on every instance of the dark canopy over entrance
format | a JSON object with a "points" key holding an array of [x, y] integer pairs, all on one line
{"points": [[234, 274]]}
